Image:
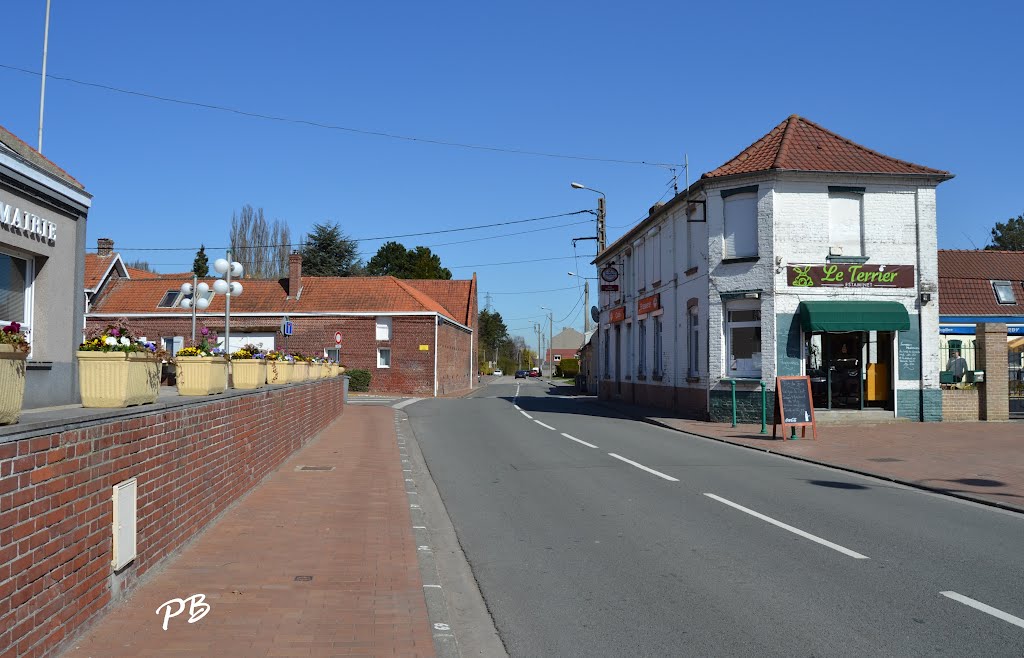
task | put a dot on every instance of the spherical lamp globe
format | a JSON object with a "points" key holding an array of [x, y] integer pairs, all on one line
{"points": [[221, 266], [236, 289], [202, 303], [220, 286], [186, 303], [186, 288], [203, 288], [236, 269]]}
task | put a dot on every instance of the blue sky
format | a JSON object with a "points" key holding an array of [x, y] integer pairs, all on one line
{"points": [[935, 83]]}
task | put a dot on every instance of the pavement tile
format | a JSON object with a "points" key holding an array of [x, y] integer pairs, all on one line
{"points": [[349, 529]]}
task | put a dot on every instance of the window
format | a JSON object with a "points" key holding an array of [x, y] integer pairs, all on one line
{"points": [[743, 339], [173, 343], [655, 243], [607, 351], [558, 357], [1004, 292], [740, 224], [693, 349], [642, 347], [383, 357], [170, 299], [640, 249], [694, 251], [846, 222], [334, 354], [15, 289], [629, 350], [657, 347], [383, 328]]}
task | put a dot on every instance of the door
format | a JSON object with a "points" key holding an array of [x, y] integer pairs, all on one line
{"points": [[618, 360], [877, 355], [844, 353]]}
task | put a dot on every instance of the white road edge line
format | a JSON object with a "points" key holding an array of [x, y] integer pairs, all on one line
{"points": [[573, 438], [517, 407], [544, 425], [797, 531], [526, 414], [644, 468], [978, 605]]}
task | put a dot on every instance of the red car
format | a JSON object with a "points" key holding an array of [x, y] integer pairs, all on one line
{"points": [[535, 373]]}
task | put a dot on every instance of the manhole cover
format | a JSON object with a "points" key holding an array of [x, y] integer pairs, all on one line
{"points": [[885, 459], [315, 468], [303, 579]]}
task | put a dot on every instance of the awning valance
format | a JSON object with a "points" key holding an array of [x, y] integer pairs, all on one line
{"points": [[853, 316]]}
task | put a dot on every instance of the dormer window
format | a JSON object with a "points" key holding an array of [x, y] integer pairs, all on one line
{"points": [[169, 299], [1004, 292]]}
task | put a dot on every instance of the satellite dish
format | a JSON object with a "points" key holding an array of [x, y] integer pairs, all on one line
{"points": [[595, 314]]}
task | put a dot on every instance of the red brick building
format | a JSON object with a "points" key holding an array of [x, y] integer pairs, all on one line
{"points": [[415, 337]]}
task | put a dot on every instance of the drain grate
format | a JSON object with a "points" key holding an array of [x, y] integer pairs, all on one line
{"points": [[315, 468], [303, 579], [885, 459]]}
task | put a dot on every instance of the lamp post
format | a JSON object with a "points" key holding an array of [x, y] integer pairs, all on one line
{"points": [[227, 287], [194, 297], [551, 336], [600, 214], [586, 298]]}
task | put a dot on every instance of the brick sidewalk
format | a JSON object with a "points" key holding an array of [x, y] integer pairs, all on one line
{"points": [[978, 461], [349, 529]]}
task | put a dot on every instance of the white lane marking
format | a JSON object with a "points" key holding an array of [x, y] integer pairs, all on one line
{"points": [[573, 438], [419, 527], [405, 403], [517, 407], [644, 468], [544, 425], [526, 414], [797, 531], [978, 605], [437, 586]]}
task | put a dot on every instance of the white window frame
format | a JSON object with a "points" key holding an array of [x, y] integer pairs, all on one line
{"points": [[383, 326], [693, 254], [30, 280], [641, 340], [693, 342], [844, 230], [557, 358], [639, 250], [740, 367], [740, 228], [380, 351], [1008, 285], [654, 239]]}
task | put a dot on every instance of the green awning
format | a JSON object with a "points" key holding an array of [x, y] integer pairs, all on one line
{"points": [[853, 316]]}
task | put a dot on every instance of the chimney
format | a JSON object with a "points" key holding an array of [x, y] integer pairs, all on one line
{"points": [[655, 208], [295, 274], [104, 247]]}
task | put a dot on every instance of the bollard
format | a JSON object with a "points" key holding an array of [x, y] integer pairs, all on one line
{"points": [[764, 412], [733, 383]]}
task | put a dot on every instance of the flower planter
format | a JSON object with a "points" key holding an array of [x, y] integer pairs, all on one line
{"points": [[12, 383], [249, 373], [280, 372], [315, 370], [325, 371], [112, 380], [202, 375], [301, 372]]}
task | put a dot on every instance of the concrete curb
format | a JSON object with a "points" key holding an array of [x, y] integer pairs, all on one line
{"points": [[839, 467]]}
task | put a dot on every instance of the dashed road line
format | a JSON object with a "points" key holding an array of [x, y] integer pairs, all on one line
{"points": [[573, 438], [643, 468], [987, 609], [526, 414], [544, 425]]}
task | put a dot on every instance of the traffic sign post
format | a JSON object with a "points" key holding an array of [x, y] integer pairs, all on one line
{"points": [[337, 339], [286, 330]]}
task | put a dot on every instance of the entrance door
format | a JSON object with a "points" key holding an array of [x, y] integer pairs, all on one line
{"points": [[877, 355], [618, 359], [844, 361]]}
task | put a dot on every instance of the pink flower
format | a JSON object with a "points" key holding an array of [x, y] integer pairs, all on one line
{"points": [[204, 331], [115, 332]]}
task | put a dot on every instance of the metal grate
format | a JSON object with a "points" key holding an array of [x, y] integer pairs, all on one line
{"points": [[885, 459], [315, 468], [303, 579]]}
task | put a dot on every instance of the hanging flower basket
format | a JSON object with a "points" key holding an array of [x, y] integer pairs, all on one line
{"points": [[12, 382], [201, 375]]}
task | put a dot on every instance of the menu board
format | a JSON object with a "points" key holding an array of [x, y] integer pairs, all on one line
{"points": [[793, 405], [909, 352]]}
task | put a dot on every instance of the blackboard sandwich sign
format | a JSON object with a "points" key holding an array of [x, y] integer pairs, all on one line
{"points": [[793, 406]]}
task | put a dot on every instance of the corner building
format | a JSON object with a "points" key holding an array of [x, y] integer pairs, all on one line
{"points": [[806, 254]]}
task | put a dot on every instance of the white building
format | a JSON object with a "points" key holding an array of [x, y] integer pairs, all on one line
{"points": [[806, 254]]}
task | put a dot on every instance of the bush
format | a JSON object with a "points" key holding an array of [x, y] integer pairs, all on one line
{"points": [[567, 368], [359, 380]]}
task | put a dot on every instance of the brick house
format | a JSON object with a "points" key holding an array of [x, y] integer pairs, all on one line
{"points": [[805, 254], [415, 337], [104, 266]]}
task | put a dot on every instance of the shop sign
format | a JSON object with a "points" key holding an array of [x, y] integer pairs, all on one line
{"points": [[26, 223], [850, 275], [648, 304], [609, 274], [609, 287], [617, 314]]}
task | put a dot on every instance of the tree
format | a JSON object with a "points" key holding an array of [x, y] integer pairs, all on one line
{"points": [[393, 259], [492, 333], [329, 252], [139, 264], [201, 265], [1008, 235], [261, 247]]}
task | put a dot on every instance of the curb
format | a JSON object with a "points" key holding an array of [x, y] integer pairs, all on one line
{"points": [[838, 467]]}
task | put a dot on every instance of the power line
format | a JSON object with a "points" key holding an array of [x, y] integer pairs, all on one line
{"points": [[514, 262], [327, 126], [530, 292]]}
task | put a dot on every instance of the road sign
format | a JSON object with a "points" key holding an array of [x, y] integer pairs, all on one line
{"points": [[337, 338], [286, 327]]}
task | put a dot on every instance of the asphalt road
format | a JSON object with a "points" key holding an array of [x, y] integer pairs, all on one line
{"points": [[594, 535]]}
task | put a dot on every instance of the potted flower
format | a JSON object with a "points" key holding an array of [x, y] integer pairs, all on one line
{"points": [[248, 368], [115, 369], [301, 372], [202, 368], [14, 350], [280, 367]]}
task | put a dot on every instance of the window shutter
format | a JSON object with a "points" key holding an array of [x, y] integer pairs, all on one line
{"points": [[741, 225]]}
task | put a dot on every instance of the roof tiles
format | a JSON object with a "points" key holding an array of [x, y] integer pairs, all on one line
{"points": [[965, 281]]}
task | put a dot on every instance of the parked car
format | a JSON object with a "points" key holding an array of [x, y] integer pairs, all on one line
{"points": [[497, 373], [535, 373], [522, 374]]}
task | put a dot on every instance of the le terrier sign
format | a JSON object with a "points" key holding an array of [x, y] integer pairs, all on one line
{"points": [[850, 275]]}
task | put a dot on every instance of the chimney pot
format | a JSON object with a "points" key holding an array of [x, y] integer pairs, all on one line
{"points": [[294, 274], [104, 246]]}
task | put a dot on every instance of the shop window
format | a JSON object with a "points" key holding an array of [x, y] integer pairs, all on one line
{"points": [[740, 225], [383, 328], [1004, 292], [743, 340], [657, 367], [383, 357], [693, 349], [846, 223], [642, 347]]}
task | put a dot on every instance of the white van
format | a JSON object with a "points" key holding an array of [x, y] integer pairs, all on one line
{"points": [[498, 373]]}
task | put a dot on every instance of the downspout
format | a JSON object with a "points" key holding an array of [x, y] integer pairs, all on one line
{"points": [[437, 322]]}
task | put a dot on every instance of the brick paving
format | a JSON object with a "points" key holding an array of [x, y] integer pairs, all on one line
{"points": [[978, 461], [349, 529]]}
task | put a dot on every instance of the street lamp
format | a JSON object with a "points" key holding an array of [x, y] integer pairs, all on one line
{"points": [[551, 331], [227, 287], [600, 214], [194, 297]]}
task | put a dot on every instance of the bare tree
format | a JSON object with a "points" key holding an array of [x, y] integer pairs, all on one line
{"points": [[261, 247]]}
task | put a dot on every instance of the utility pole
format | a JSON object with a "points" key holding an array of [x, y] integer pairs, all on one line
{"points": [[586, 306], [536, 328], [42, 90], [600, 224]]}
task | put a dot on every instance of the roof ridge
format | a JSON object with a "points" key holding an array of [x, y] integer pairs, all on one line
{"points": [[784, 142], [865, 148], [424, 299], [59, 170]]}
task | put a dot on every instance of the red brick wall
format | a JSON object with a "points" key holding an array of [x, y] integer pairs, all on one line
{"points": [[411, 371], [456, 366], [191, 463], [960, 405]]}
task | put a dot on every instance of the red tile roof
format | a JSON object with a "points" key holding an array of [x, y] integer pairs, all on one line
{"points": [[455, 296], [95, 267], [797, 144], [965, 281], [319, 294], [11, 141], [136, 273]]}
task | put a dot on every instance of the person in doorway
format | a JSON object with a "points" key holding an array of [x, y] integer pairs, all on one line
{"points": [[957, 365]]}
